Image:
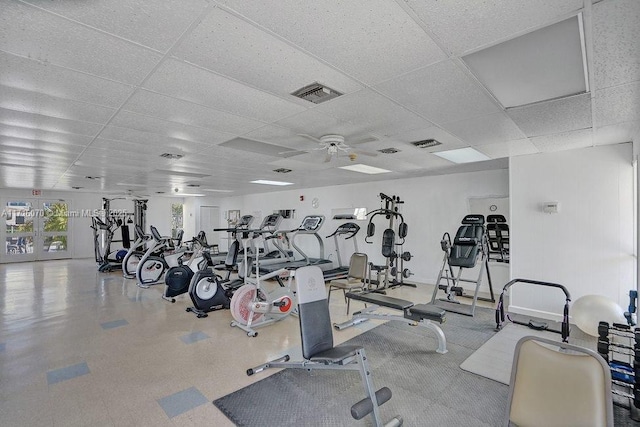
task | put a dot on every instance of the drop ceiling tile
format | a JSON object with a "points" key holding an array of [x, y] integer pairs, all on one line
{"points": [[488, 129], [104, 163], [617, 134], [165, 129], [45, 123], [463, 25], [517, 147], [441, 93], [40, 146], [153, 23], [371, 43], [188, 113], [564, 141], [194, 84], [616, 42], [250, 55], [376, 112], [33, 33], [617, 104], [49, 79], [561, 115], [46, 105], [279, 135], [24, 134]]}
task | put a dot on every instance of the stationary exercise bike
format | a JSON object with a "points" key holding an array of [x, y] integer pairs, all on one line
{"points": [[252, 305], [177, 279]]}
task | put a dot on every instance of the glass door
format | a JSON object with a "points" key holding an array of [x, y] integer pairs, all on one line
{"points": [[35, 230]]}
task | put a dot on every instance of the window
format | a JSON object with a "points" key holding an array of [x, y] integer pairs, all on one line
{"points": [[176, 218]]}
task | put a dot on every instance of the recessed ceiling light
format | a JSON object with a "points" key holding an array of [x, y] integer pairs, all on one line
{"points": [[371, 170], [463, 155], [267, 182], [215, 190]]}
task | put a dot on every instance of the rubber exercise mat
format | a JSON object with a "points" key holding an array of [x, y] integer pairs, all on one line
{"points": [[428, 388]]}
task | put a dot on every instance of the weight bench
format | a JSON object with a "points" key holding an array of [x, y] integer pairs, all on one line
{"points": [[414, 315], [318, 350]]}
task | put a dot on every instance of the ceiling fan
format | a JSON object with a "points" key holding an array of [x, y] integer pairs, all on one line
{"points": [[335, 145]]}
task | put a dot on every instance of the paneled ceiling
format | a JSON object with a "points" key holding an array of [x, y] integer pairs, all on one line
{"points": [[92, 93]]}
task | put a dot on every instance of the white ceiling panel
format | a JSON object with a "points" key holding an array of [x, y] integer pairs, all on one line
{"points": [[464, 25], [47, 105], [556, 116], [31, 146], [616, 42], [315, 123], [151, 140], [441, 93], [564, 141], [372, 43], [513, 148], [617, 134], [33, 33], [103, 163], [166, 129], [617, 104], [38, 136], [46, 78], [194, 84], [153, 23], [51, 124], [376, 112], [233, 47], [278, 135], [188, 113], [482, 130]]}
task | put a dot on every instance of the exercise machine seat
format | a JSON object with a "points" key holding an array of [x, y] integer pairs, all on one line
{"points": [[335, 354], [429, 311], [466, 246], [552, 387], [381, 300]]}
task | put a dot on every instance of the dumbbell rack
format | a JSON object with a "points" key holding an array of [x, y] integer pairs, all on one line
{"points": [[623, 373]]}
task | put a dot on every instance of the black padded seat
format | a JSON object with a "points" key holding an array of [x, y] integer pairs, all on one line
{"points": [[466, 246], [428, 311], [335, 354], [381, 300]]}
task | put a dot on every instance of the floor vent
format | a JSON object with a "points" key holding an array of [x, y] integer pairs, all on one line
{"points": [[316, 93]]}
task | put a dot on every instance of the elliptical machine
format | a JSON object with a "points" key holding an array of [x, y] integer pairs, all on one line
{"points": [[157, 259], [135, 253]]}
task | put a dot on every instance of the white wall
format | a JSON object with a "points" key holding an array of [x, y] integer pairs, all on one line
{"points": [[589, 245], [433, 205]]}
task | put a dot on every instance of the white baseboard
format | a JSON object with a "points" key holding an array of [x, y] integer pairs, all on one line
{"points": [[535, 313]]}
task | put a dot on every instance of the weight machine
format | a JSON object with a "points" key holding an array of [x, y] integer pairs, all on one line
{"points": [[393, 237]]}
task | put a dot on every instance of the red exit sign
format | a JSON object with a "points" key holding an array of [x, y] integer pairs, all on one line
{"points": [[36, 192]]}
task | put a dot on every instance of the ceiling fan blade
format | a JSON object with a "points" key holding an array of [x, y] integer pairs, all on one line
{"points": [[313, 138], [367, 153], [363, 140]]}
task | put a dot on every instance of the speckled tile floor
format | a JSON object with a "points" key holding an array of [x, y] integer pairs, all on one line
{"points": [[82, 348]]}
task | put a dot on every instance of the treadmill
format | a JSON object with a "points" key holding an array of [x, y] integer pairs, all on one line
{"points": [[310, 226], [243, 225], [348, 230], [269, 232]]}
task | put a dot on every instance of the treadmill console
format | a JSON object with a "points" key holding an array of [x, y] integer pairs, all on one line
{"points": [[312, 223], [271, 221]]}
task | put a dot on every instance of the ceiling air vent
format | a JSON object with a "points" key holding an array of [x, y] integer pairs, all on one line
{"points": [[282, 170], [316, 93], [92, 177], [389, 150], [426, 143], [172, 156], [193, 185]]}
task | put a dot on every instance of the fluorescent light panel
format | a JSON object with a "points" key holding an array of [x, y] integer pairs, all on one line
{"points": [[463, 155], [267, 182], [370, 170], [214, 190], [545, 64]]}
